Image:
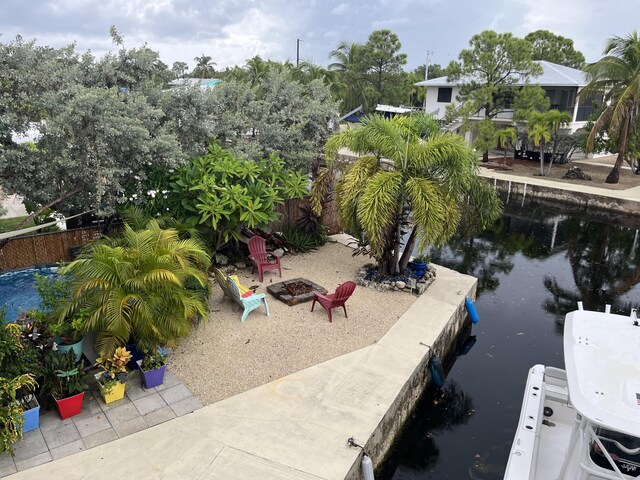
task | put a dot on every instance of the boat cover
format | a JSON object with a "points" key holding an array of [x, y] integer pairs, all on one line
{"points": [[602, 360]]}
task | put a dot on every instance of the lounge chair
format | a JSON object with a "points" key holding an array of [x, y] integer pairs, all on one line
{"points": [[334, 300], [249, 301], [258, 254]]}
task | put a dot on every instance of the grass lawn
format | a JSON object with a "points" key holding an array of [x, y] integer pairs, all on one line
{"points": [[10, 224]]}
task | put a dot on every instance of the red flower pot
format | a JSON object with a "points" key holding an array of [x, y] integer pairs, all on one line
{"points": [[70, 406]]}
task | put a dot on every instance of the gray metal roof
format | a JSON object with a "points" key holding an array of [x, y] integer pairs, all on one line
{"points": [[553, 75]]}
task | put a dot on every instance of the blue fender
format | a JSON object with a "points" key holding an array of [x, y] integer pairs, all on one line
{"points": [[471, 309]]}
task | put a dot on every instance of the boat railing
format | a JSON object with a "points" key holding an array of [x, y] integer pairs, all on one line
{"points": [[601, 473]]}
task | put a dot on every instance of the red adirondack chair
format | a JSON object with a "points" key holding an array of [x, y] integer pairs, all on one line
{"points": [[258, 253], [334, 300]]}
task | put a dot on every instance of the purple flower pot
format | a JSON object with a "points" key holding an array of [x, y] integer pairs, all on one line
{"points": [[152, 378]]}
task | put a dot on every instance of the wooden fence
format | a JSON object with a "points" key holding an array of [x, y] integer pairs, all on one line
{"points": [[51, 248], [289, 212], [44, 248]]}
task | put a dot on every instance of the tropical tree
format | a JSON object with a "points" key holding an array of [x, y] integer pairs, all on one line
{"points": [[539, 133], [556, 120], [348, 64], [488, 72], [404, 176], [179, 69], [618, 75], [506, 136], [204, 66], [146, 285]]}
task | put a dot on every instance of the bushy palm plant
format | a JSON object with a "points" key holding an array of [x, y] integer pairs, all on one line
{"points": [[140, 286], [617, 75], [407, 175]]}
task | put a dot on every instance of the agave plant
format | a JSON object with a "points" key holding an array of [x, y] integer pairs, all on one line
{"points": [[140, 286]]}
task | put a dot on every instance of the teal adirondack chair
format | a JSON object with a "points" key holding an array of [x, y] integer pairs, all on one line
{"points": [[249, 303]]}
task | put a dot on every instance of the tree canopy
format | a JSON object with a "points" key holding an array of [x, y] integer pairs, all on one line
{"points": [[554, 48], [487, 72]]}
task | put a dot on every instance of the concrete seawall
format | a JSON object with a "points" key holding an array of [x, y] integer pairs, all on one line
{"points": [[583, 197], [295, 427]]}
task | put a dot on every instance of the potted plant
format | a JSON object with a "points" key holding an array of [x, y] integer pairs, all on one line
{"points": [[152, 367], [69, 333], [62, 377], [19, 359], [12, 419], [113, 378], [420, 264]]}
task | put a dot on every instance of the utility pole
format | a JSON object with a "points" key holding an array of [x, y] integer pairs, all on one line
{"points": [[298, 51], [426, 77]]}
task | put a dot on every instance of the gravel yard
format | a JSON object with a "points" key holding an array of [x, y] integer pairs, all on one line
{"points": [[224, 356]]}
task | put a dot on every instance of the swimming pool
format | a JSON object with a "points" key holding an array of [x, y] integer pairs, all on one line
{"points": [[18, 289]]}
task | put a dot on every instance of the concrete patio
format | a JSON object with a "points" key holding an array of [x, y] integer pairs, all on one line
{"points": [[100, 423]]}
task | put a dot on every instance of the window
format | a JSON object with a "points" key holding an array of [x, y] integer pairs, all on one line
{"points": [[444, 94]]}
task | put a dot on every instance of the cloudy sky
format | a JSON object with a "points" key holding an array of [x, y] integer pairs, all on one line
{"points": [[232, 31]]}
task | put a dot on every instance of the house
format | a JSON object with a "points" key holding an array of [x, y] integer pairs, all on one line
{"points": [[561, 84], [194, 82]]}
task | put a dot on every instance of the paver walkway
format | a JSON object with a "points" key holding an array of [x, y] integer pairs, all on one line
{"points": [[100, 423]]}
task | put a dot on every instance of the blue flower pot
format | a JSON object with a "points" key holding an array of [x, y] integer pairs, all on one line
{"points": [[31, 419], [76, 347], [419, 269]]}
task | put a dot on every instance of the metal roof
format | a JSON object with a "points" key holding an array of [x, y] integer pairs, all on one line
{"points": [[553, 75], [602, 361]]}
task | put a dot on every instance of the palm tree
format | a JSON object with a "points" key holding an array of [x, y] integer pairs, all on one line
{"points": [[204, 65], [556, 120], [618, 75], [505, 136], [257, 70], [404, 176], [347, 63], [539, 132], [306, 72], [140, 286]]}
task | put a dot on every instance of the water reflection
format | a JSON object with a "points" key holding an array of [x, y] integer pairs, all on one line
{"points": [[533, 266]]}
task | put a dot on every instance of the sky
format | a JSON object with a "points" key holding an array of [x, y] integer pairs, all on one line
{"points": [[231, 31]]}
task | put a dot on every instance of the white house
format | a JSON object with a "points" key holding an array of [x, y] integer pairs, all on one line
{"points": [[561, 84], [194, 82]]}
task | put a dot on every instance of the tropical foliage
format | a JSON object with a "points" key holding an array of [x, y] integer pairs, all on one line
{"points": [[138, 286], [618, 75], [222, 193], [405, 180]]}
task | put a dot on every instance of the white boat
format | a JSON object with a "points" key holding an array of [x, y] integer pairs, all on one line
{"points": [[583, 423]]}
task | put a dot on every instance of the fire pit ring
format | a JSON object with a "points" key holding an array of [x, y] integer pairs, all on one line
{"points": [[295, 291]]}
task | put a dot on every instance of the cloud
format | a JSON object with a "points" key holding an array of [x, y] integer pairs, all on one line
{"points": [[341, 9]]}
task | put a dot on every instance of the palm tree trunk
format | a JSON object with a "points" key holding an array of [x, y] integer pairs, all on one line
{"points": [[541, 158], [614, 174], [408, 249]]}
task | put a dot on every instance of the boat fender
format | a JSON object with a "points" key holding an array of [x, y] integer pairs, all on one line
{"points": [[471, 309], [367, 468], [437, 372]]}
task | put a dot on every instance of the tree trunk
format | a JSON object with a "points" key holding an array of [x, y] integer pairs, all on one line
{"points": [[485, 156], [614, 175], [542, 158], [408, 249], [38, 211]]}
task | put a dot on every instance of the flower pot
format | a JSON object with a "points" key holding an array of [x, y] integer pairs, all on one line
{"points": [[31, 417], [152, 378], [419, 269], [116, 392], [76, 347], [70, 406]]}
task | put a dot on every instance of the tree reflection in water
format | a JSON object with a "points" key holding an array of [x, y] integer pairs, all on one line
{"points": [[447, 408], [605, 266]]}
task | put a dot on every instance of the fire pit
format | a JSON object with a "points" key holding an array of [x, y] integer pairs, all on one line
{"points": [[295, 291]]}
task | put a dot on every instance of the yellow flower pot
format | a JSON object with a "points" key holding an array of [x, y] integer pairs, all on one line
{"points": [[116, 392]]}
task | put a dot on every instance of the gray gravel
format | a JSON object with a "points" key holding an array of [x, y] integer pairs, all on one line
{"points": [[224, 356]]}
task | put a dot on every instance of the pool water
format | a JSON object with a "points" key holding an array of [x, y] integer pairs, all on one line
{"points": [[18, 290]]}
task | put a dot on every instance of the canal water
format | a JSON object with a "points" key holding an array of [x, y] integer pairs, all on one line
{"points": [[533, 266]]}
